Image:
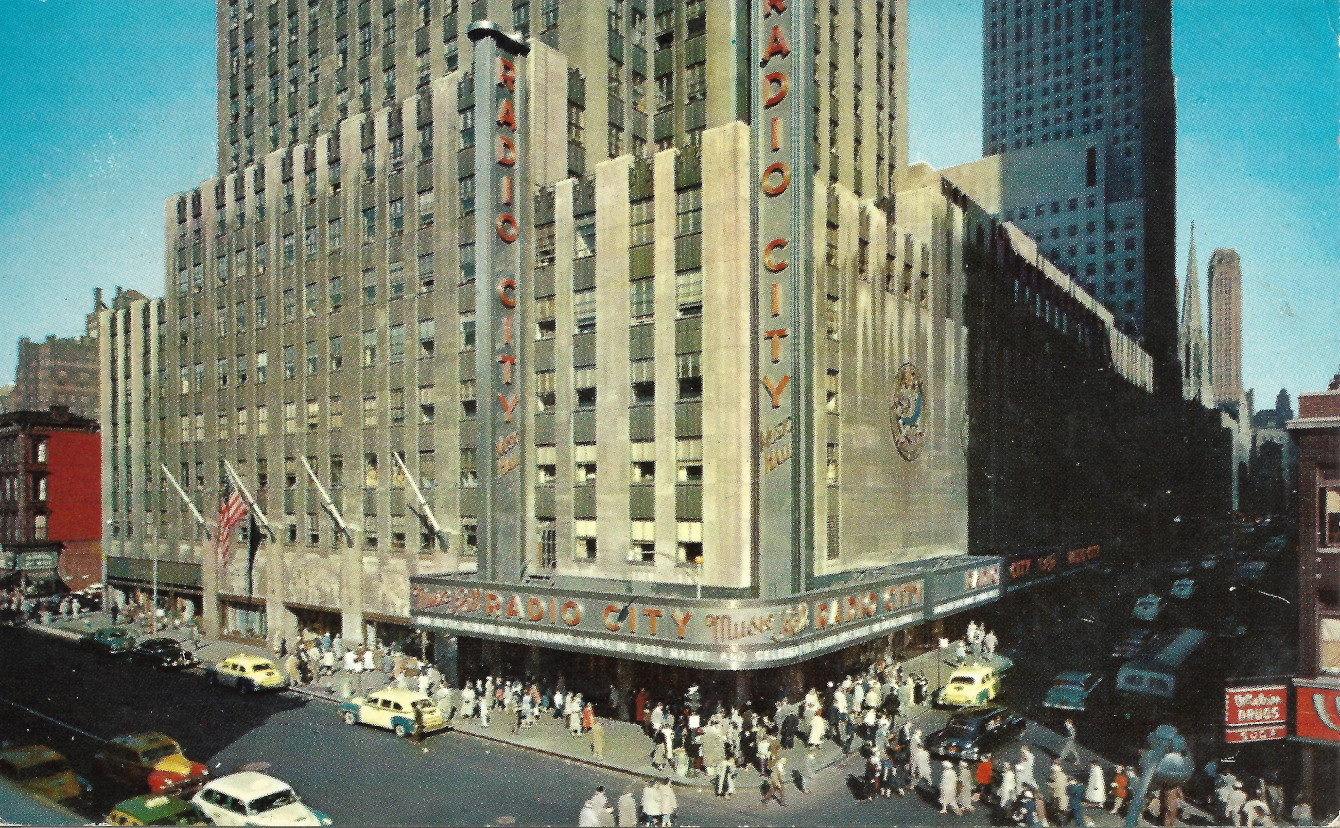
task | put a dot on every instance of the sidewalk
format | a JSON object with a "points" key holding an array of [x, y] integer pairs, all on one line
{"points": [[627, 748]]}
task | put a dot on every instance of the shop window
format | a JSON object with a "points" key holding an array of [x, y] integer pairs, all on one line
{"points": [[1328, 645]]}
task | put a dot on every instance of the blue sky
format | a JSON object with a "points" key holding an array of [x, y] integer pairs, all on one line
{"points": [[107, 108]]}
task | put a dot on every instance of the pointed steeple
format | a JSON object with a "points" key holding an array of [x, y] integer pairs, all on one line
{"points": [[1191, 334]]}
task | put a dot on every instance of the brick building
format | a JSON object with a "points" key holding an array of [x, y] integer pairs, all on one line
{"points": [[50, 501]]}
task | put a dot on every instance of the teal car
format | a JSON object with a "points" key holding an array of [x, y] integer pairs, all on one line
{"points": [[110, 640]]}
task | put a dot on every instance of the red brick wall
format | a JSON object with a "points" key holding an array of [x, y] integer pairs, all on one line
{"points": [[74, 486], [1318, 405]]}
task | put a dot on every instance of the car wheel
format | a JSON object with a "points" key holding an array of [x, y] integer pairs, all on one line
{"points": [[350, 718], [400, 730]]}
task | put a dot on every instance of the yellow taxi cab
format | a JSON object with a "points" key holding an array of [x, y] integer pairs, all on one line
{"points": [[156, 809], [43, 771], [397, 710], [247, 673], [147, 761], [970, 684]]}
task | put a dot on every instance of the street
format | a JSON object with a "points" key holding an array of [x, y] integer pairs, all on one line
{"points": [[356, 775]]}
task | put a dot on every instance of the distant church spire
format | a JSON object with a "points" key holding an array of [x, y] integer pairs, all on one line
{"points": [[1191, 334]]}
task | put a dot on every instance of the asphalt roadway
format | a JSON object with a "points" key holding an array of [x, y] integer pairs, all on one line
{"points": [[56, 693]]}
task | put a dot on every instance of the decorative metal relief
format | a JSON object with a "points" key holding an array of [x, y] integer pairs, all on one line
{"points": [[905, 414]]}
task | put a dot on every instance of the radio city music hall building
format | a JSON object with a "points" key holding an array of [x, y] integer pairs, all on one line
{"points": [[669, 369]]}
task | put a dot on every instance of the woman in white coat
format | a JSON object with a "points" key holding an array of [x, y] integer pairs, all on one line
{"points": [[1096, 791], [948, 789], [651, 803]]}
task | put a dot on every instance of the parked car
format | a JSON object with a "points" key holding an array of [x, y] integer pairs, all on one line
{"points": [[1182, 567], [1128, 646], [42, 771], [1183, 589], [1147, 608], [156, 809], [1210, 561], [1071, 690], [147, 762], [247, 673], [976, 730], [393, 709], [252, 798], [971, 684], [1230, 626], [167, 653], [110, 640], [1250, 570]]}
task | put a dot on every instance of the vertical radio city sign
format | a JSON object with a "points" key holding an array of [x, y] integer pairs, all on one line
{"points": [[499, 295], [782, 75]]}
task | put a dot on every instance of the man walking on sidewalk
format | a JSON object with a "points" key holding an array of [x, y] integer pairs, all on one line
{"points": [[776, 783], [1069, 748]]}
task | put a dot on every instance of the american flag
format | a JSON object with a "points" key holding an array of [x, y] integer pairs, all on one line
{"points": [[232, 510]]}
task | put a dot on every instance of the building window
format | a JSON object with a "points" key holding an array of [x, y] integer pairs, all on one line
{"points": [[548, 544], [545, 326], [427, 338], [584, 464], [689, 374], [641, 375], [370, 470], [584, 383], [336, 353], [469, 468], [689, 292], [642, 542], [370, 411], [584, 310], [335, 411], [644, 461], [396, 343], [262, 421], [689, 455], [1328, 510], [546, 465], [313, 358], [584, 540], [643, 296], [467, 332], [427, 469], [467, 398], [469, 538], [369, 348], [544, 390], [290, 418], [689, 542], [397, 406]]}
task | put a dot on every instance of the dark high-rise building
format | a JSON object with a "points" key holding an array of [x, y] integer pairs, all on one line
{"points": [[1225, 290], [1079, 101]]}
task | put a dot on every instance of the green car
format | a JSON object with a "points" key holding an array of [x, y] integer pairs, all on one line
{"points": [[110, 640], [156, 809]]}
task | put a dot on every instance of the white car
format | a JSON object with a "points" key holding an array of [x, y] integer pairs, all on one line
{"points": [[251, 798], [1183, 589], [1148, 608]]}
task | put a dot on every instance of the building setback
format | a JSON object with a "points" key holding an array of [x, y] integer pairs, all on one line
{"points": [[50, 521], [1079, 103]]}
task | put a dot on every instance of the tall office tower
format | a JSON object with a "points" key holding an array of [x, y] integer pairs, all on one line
{"points": [[1225, 289], [1079, 99], [1191, 335]]}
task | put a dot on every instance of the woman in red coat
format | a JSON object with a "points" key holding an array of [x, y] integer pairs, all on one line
{"points": [[588, 717], [640, 707]]}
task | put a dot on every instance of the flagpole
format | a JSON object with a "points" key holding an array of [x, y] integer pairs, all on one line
{"points": [[182, 492], [246, 495]]}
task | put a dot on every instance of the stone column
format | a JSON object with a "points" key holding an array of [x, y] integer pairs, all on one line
{"points": [[623, 678], [533, 660], [744, 688]]}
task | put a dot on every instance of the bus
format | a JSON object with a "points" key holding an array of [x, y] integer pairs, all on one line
{"points": [[1166, 661]]}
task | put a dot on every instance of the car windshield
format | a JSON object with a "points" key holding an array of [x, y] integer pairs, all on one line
{"points": [[269, 802], [963, 680], [159, 751], [41, 770], [958, 730], [424, 704], [261, 668]]}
